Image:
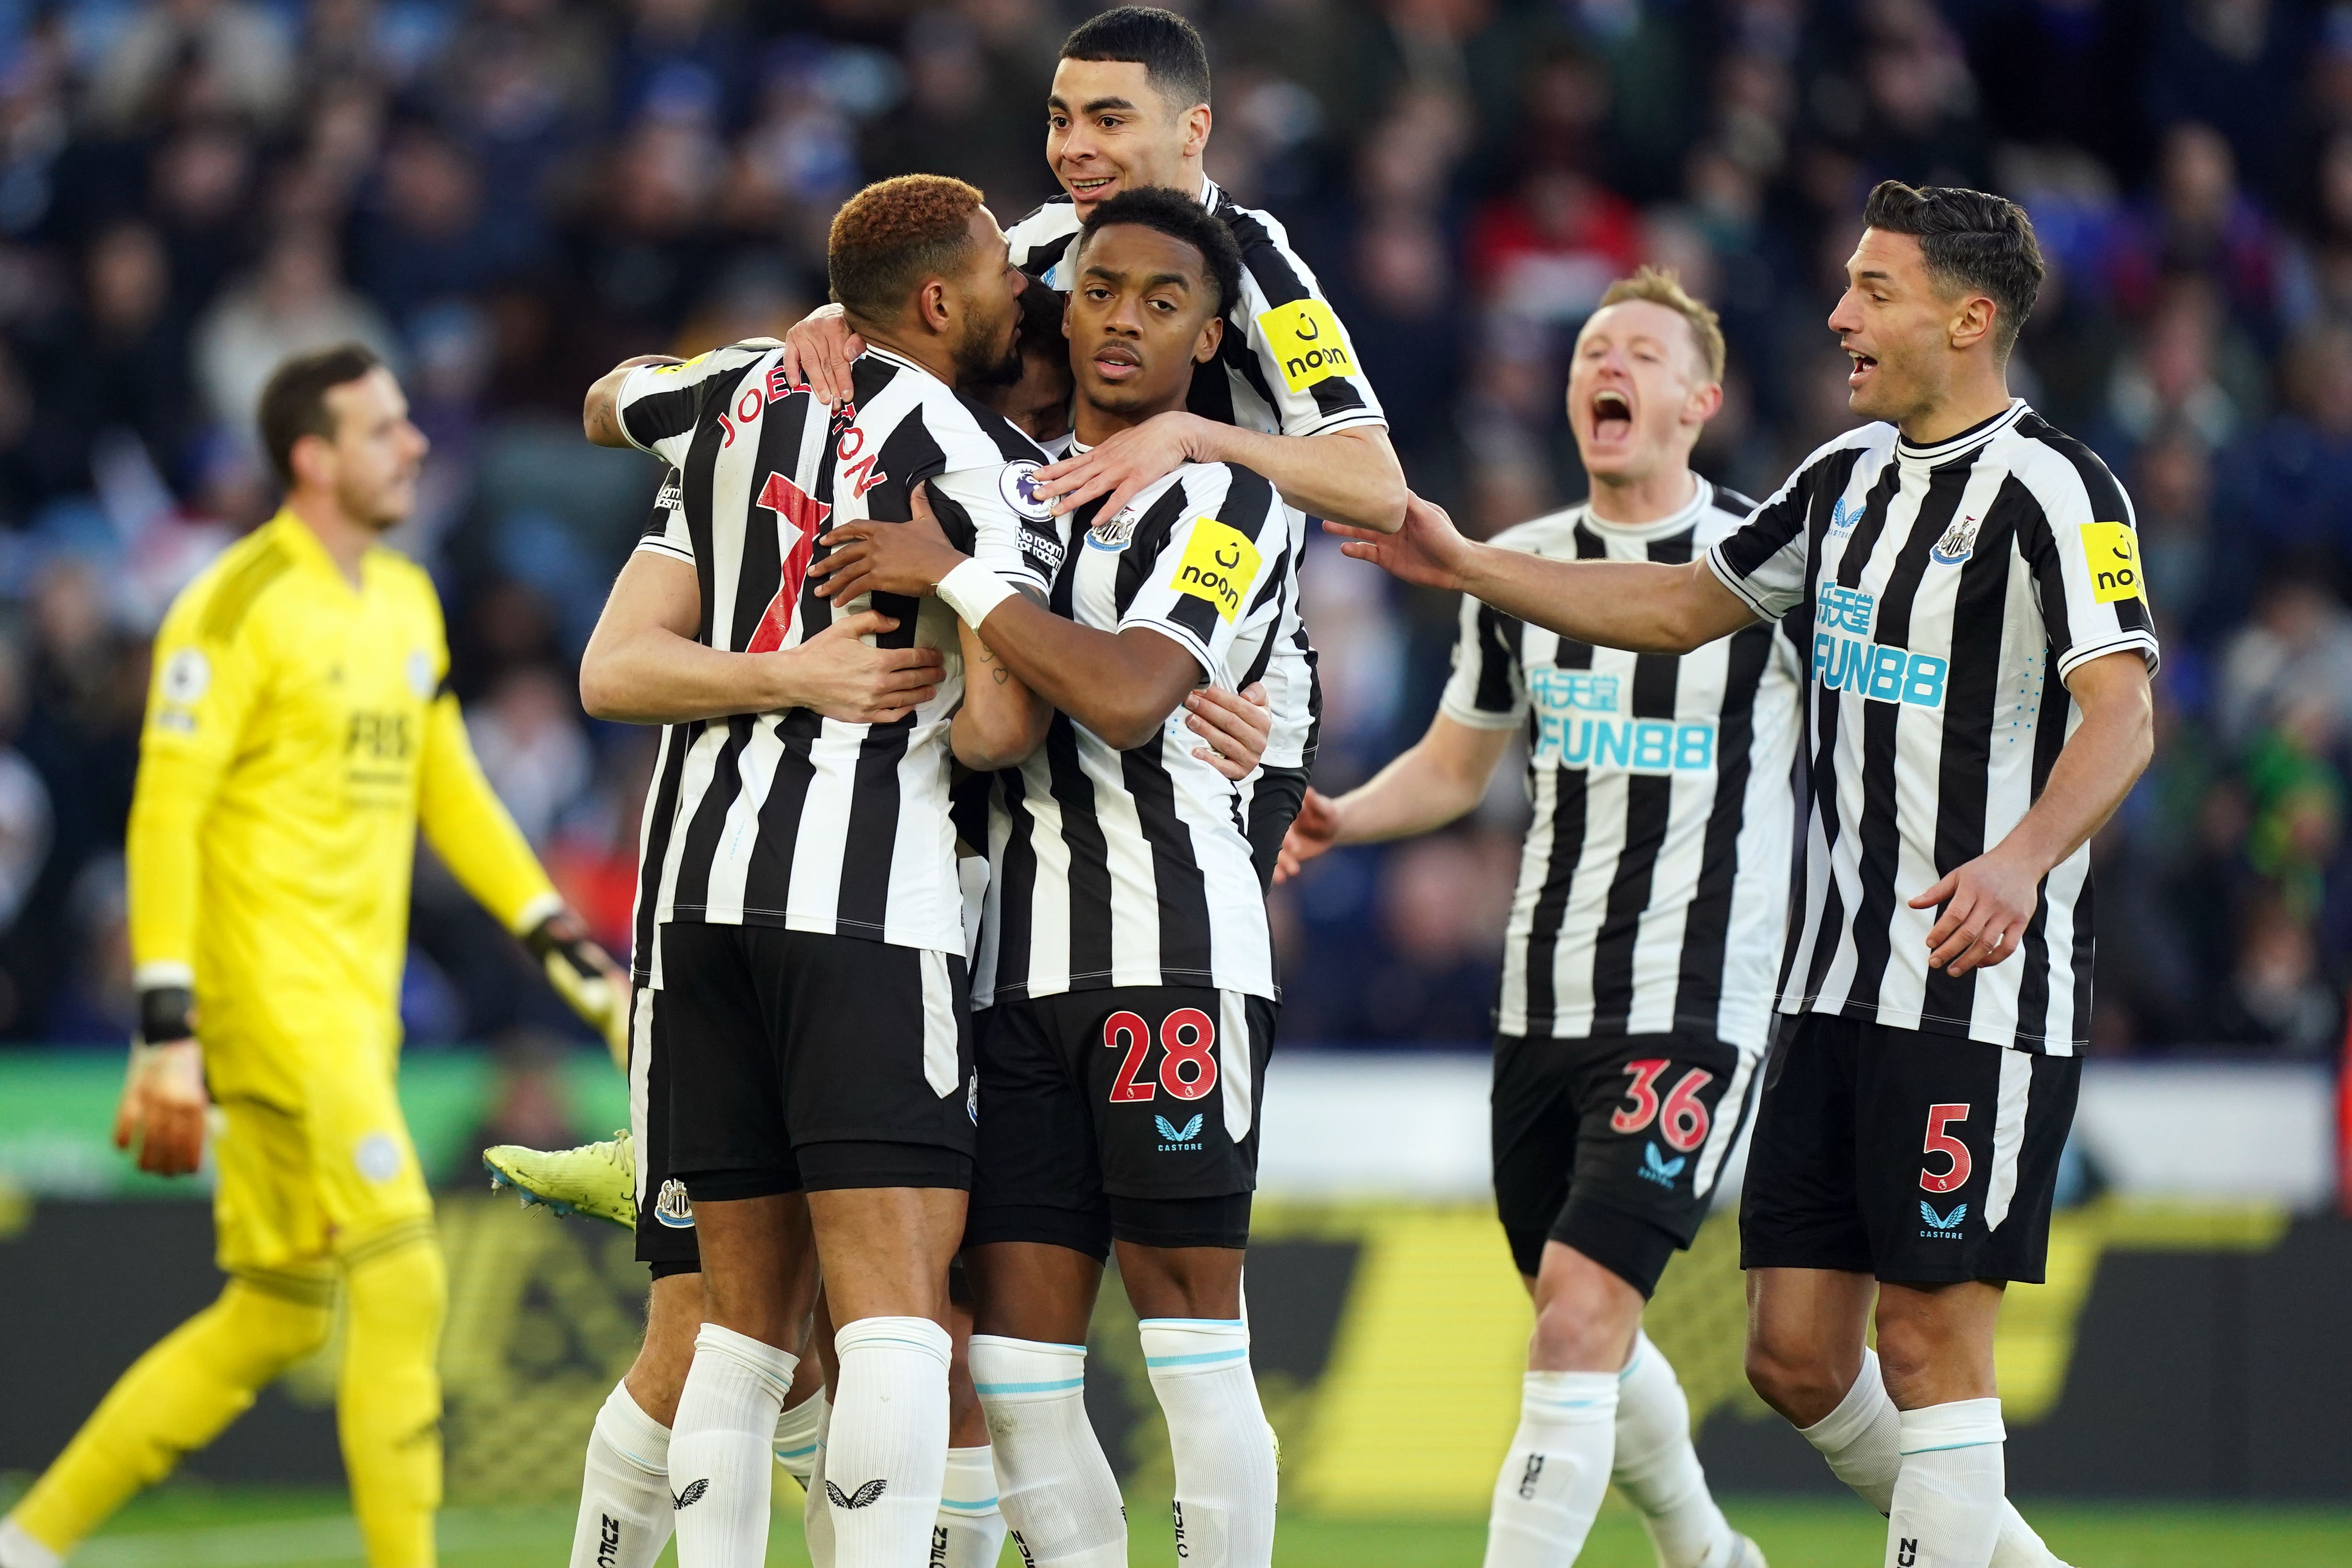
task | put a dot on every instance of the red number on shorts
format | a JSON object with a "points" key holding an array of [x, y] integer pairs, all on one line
{"points": [[1643, 1092], [1139, 1043], [1683, 1121], [1183, 1053], [1942, 1143]]}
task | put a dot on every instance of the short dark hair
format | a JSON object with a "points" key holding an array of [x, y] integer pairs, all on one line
{"points": [[294, 403], [1169, 49], [1969, 239], [893, 234], [1179, 217]]}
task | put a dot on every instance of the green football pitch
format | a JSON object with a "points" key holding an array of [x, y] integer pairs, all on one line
{"points": [[187, 1525]]}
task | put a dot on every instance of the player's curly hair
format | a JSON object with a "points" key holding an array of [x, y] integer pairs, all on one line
{"points": [[1663, 285], [1969, 239], [893, 235], [1179, 217]]}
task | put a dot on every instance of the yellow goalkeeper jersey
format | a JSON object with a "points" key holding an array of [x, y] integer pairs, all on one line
{"points": [[296, 735]]}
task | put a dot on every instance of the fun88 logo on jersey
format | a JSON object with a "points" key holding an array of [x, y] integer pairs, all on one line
{"points": [[1855, 663], [1576, 727]]}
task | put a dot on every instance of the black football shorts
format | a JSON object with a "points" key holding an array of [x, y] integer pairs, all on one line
{"points": [[1919, 1158], [801, 1061], [1612, 1143], [1129, 1113]]}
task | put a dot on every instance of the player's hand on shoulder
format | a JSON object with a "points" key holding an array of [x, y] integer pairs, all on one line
{"points": [[818, 350], [1235, 725], [1122, 467], [1428, 550], [1313, 830], [907, 558], [839, 675], [1988, 904], [160, 1117]]}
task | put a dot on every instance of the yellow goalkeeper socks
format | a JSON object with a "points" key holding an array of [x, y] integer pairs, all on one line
{"points": [[388, 1404], [176, 1398]]}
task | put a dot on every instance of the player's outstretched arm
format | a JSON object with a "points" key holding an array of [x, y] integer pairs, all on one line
{"points": [[643, 664], [1988, 902], [1439, 777], [1643, 607], [1352, 475]]}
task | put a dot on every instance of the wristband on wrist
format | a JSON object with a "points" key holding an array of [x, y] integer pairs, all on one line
{"points": [[971, 591], [164, 1013]]}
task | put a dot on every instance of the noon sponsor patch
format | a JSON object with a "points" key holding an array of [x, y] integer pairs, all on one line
{"points": [[1306, 343], [1218, 565], [2113, 551]]}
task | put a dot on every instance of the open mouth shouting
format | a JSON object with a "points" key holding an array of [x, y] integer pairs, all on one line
{"points": [[1613, 416]]}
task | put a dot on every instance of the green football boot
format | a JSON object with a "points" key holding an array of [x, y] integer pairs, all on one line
{"points": [[599, 1180]]}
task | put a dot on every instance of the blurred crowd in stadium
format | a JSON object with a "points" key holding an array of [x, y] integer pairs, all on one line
{"points": [[505, 196]]}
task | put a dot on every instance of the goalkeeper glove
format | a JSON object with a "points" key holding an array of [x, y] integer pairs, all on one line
{"points": [[584, 976], [163, 1106]]}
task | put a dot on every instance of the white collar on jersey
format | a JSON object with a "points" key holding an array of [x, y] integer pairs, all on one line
{"points": [[1702, 497], [1966, 441], [1209, 193]]}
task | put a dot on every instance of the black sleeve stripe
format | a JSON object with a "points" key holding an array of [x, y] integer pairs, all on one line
{"points": [[657, 416], [1498, 637], [1249, 505]]}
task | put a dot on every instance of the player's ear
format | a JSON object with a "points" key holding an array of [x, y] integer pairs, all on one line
{"points": [[1213, 333], [1972, 323], [1706, 402], [312, 459], [1196, 122], [932, 308]]}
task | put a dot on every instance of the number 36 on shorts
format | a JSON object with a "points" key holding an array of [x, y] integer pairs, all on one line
{"points": [[1187, 1070], [1682, 1115]]}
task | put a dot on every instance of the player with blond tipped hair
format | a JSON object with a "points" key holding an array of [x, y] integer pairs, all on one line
{"points": [[1630, 1023]]}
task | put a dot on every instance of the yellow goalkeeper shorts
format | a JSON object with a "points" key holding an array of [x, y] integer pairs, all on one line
{"points": [[300, 1186]]}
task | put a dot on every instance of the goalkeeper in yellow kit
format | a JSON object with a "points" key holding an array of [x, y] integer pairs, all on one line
{"points": [[298, 733]]}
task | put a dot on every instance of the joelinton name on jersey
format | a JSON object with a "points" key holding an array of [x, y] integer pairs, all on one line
{"points": [[1948, 590], [792, 818]]}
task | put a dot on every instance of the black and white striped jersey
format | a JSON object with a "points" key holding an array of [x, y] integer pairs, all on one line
{"points": [[791, 818], [1287, 367], [1658, 858], [1949, 591], [1132, 868]]}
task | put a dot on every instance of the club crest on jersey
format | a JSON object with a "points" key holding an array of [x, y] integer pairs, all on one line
{"points": [[673, 1207], [1116, 534], [186, 675], [1958, 543], [1017, 482], [420, 673]]}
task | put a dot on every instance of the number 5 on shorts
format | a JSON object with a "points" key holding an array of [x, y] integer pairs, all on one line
{"points": [[1939, 1141]]}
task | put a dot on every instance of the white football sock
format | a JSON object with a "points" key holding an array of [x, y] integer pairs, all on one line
{"points": [[1557, 1472], [719, 1455], [796, 1434], [1225, 1484], [816, 1509], [1657, 1469], [625, 1498], [970, 1531], [19, 1550], [1055, 1489], [887, 1447], [1948, 1500], [1862, 1440]]}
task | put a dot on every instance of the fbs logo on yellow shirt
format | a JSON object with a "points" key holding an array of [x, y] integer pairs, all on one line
{"points": [[2114, 555], [1308, 341], [1218, 565]]}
